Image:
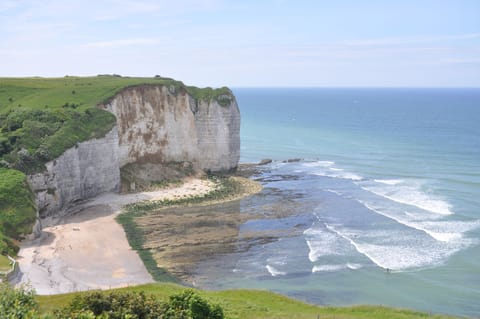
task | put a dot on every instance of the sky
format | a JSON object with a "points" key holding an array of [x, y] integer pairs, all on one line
{"points": [[247, 43]]}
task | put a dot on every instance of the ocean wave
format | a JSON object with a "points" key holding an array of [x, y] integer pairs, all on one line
{"points": [[274, 272], [321, 243], [354, 266], [411, 195], [444, 236], [402, 254], [318, 164], [328, 169], [389, 181], [330, 268]]}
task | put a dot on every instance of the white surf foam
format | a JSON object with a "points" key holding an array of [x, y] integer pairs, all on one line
{"points": [[437, 235], [354, 266], [275, 272], [334, 192], [389, 181], [325, 268], [410, 195], [319, 164], [395, 252], [330, 268], [337, 173], [321, 243], [354, 244], [385, 257]]}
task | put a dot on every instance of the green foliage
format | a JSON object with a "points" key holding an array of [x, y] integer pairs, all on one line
{"points": [[255, 304], [137, 305], [17, 210], [113, 305], [17, 303], [5, 263], [222, 95], [29, 138], [188, 305]]}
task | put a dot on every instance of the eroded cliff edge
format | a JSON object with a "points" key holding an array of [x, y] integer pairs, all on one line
{"points": [[157, 125]]}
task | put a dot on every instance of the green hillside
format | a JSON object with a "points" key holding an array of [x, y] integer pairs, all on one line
{"points": [[254, 304], [40, 118]]}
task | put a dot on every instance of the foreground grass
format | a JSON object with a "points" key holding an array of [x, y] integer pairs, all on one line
{"points": [[254, 304]]}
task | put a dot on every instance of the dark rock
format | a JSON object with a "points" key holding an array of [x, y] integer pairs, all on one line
{"points": [[292, 160], [265, 161]]}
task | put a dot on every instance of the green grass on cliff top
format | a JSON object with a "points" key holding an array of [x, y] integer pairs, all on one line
{"points": [[255, 304], [40, 93]]}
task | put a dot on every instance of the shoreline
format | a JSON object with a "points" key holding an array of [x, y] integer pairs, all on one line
{"points": [[59, 261]]}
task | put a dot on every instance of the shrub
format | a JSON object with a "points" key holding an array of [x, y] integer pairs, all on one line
{"points": [[113, 305], [189, 305], [134, 305], [17, 303]]}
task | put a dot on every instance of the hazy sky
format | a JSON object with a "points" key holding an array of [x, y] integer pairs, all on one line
{"points": [[247, 42]]}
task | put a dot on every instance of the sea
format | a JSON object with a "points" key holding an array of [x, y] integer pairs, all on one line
{"points": [[382, 188]]}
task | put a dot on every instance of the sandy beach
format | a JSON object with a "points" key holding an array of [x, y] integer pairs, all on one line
{"points": [[87, 249]]}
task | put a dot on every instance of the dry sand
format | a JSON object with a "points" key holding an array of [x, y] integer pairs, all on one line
{"points": [[87, 249]]}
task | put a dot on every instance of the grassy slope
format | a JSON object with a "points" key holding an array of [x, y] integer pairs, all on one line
{"points": [[254, 304], [40, 118], [17, 210], [89, 91], [4, 263]]}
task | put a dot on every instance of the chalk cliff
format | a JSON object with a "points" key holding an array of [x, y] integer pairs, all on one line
{"points": [[81, 172], [156, 125], [161, 125]]}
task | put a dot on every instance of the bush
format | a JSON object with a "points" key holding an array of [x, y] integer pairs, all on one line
{"points": [[17, 303], [189, 305], [132, 305], [113, 305]]}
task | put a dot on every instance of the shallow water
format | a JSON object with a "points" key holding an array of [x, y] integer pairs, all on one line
{"points": [[384, 208]]}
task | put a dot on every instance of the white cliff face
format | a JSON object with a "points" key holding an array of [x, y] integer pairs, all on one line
{"points": [[155, 125], [79, 173], [161, 125]]}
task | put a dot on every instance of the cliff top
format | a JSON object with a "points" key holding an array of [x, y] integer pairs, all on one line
{"points": [[82, 92], [40, 118]]}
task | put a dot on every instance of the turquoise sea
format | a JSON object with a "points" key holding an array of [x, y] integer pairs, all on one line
{"points": [[385, 203]]}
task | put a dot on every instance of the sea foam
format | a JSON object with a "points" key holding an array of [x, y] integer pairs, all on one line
{"points": [[412, 195], [275, 272]]}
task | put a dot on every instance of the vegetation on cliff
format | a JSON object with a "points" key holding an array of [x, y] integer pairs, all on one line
{"points": [[40, 118], [17, 209]]}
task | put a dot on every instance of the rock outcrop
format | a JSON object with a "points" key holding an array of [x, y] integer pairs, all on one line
{"points": [[156, 125]]}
